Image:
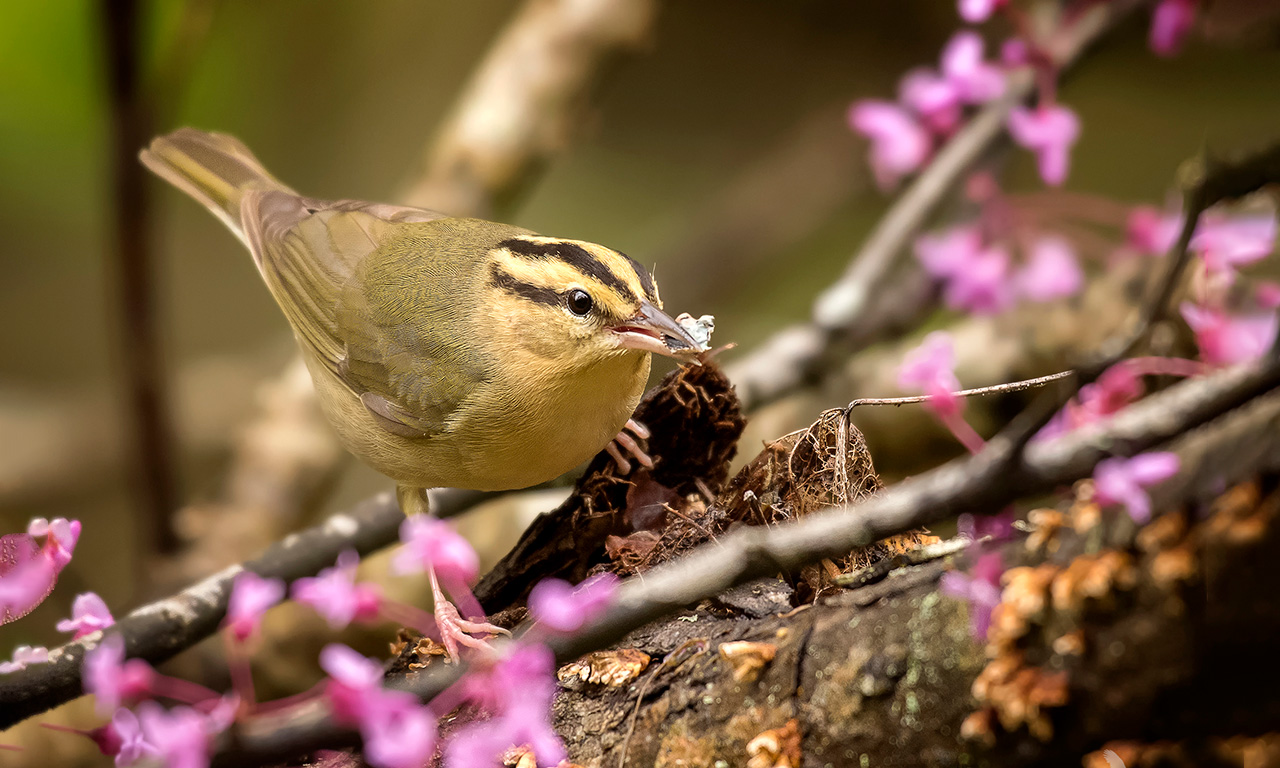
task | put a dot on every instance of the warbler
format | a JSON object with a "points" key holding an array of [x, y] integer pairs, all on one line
{"points": [[445, 351]]}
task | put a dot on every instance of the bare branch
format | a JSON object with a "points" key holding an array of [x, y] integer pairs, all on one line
{"points": [[523, 102], [794, 356], [989, 480]]}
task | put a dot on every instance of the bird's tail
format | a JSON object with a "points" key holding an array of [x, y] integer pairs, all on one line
{"points": [[214, 168]]}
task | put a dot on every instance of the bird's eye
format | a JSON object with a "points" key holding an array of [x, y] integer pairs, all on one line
{"points": [[579, 302]]}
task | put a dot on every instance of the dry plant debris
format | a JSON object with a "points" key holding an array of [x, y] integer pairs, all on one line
{"points": [[612, 669]]}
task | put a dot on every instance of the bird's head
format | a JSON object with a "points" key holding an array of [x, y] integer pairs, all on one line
{"points": [[578, 303]]}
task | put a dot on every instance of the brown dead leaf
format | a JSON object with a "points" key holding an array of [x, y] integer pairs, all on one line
{"points": [[747, 658], [776, 748], [611, 669]]}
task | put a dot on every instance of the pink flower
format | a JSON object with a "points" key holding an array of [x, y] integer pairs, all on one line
{"points": [[1171, 22], [397, 731], [981, 589], [432, 543], [355, 682], [975, 81], [123, 738], [929, 368], [26, 579], [402, 735], [251, 596], [111, 679], [1014, 52], [978, 11], [29, 570], [1051, 271], [335, 594], [559, 605], [1121, 481], [1224, 244], [1229, 340], [976, 527], [62, 537], [935, 99], [899, 145], [1267, 295], [975, 278], [985, 288], [1115, 389], [179, 736], [1150, 232], [24, 655], [948, 254], [1049, 131], [518, 691], [88, 615]]}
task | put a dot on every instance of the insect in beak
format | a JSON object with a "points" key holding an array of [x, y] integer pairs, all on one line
{"points": [[652, 330]]}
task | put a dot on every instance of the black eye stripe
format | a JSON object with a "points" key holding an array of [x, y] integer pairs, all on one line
{"points": [[646, 279], [579, 258], [510, 284]]}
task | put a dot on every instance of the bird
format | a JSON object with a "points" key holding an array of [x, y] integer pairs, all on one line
{"points": [[445, 351]]}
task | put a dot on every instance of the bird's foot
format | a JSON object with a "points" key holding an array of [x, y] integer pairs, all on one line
{"points": [[625, 442], [455, 630]]}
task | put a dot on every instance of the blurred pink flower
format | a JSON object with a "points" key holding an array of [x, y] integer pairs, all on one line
{"points": [[251, 596], [1051, 271], [1230, 339], [978, 11], [1151, 232], [929, 368], [517, 691], [975, 81], [560, 606], [985, 287], [62, 536], [975, 278], [949, 253], [1225, 243], [1267, 294], [1171, 22], [179, 736], [128, 743], [980, 589], [401, 735], [335, 594], [1014, 52], [111, 679], [1122, 481], [899, 145], [88, 615], [432, 543], [24, 655], [355, 682], [29, 569], [1049, 131], [975, 527], [933, 98]]}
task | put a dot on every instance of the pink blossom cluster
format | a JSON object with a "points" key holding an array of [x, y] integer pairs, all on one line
{"points": [[514, 685], [930, 107]]}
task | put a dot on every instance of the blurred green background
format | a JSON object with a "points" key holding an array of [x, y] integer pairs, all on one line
{"points": [[732, 106]]}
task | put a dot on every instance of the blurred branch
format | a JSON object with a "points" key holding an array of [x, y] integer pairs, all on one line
{"points": [[160, 630], [797, 356], [524, 101], [989, 480], [155, 473]]}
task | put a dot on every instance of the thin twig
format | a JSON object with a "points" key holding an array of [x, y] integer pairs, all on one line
{"points": [[795, 356], [1015, 386]]}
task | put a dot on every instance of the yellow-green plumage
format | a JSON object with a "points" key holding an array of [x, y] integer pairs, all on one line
{"points": [[442, 349]]}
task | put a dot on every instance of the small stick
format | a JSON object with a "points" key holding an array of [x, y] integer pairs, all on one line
{"points": [[1013, 386]]}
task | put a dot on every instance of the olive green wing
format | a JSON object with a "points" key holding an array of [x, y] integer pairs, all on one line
{"points": [[313, 256]]}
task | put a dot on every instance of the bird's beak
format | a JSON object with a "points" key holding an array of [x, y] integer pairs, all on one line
{"points": [[652, 330]]}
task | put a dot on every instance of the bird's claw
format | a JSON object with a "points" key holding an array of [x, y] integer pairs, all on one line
{"points": [[625, 441], [455, 630]]}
